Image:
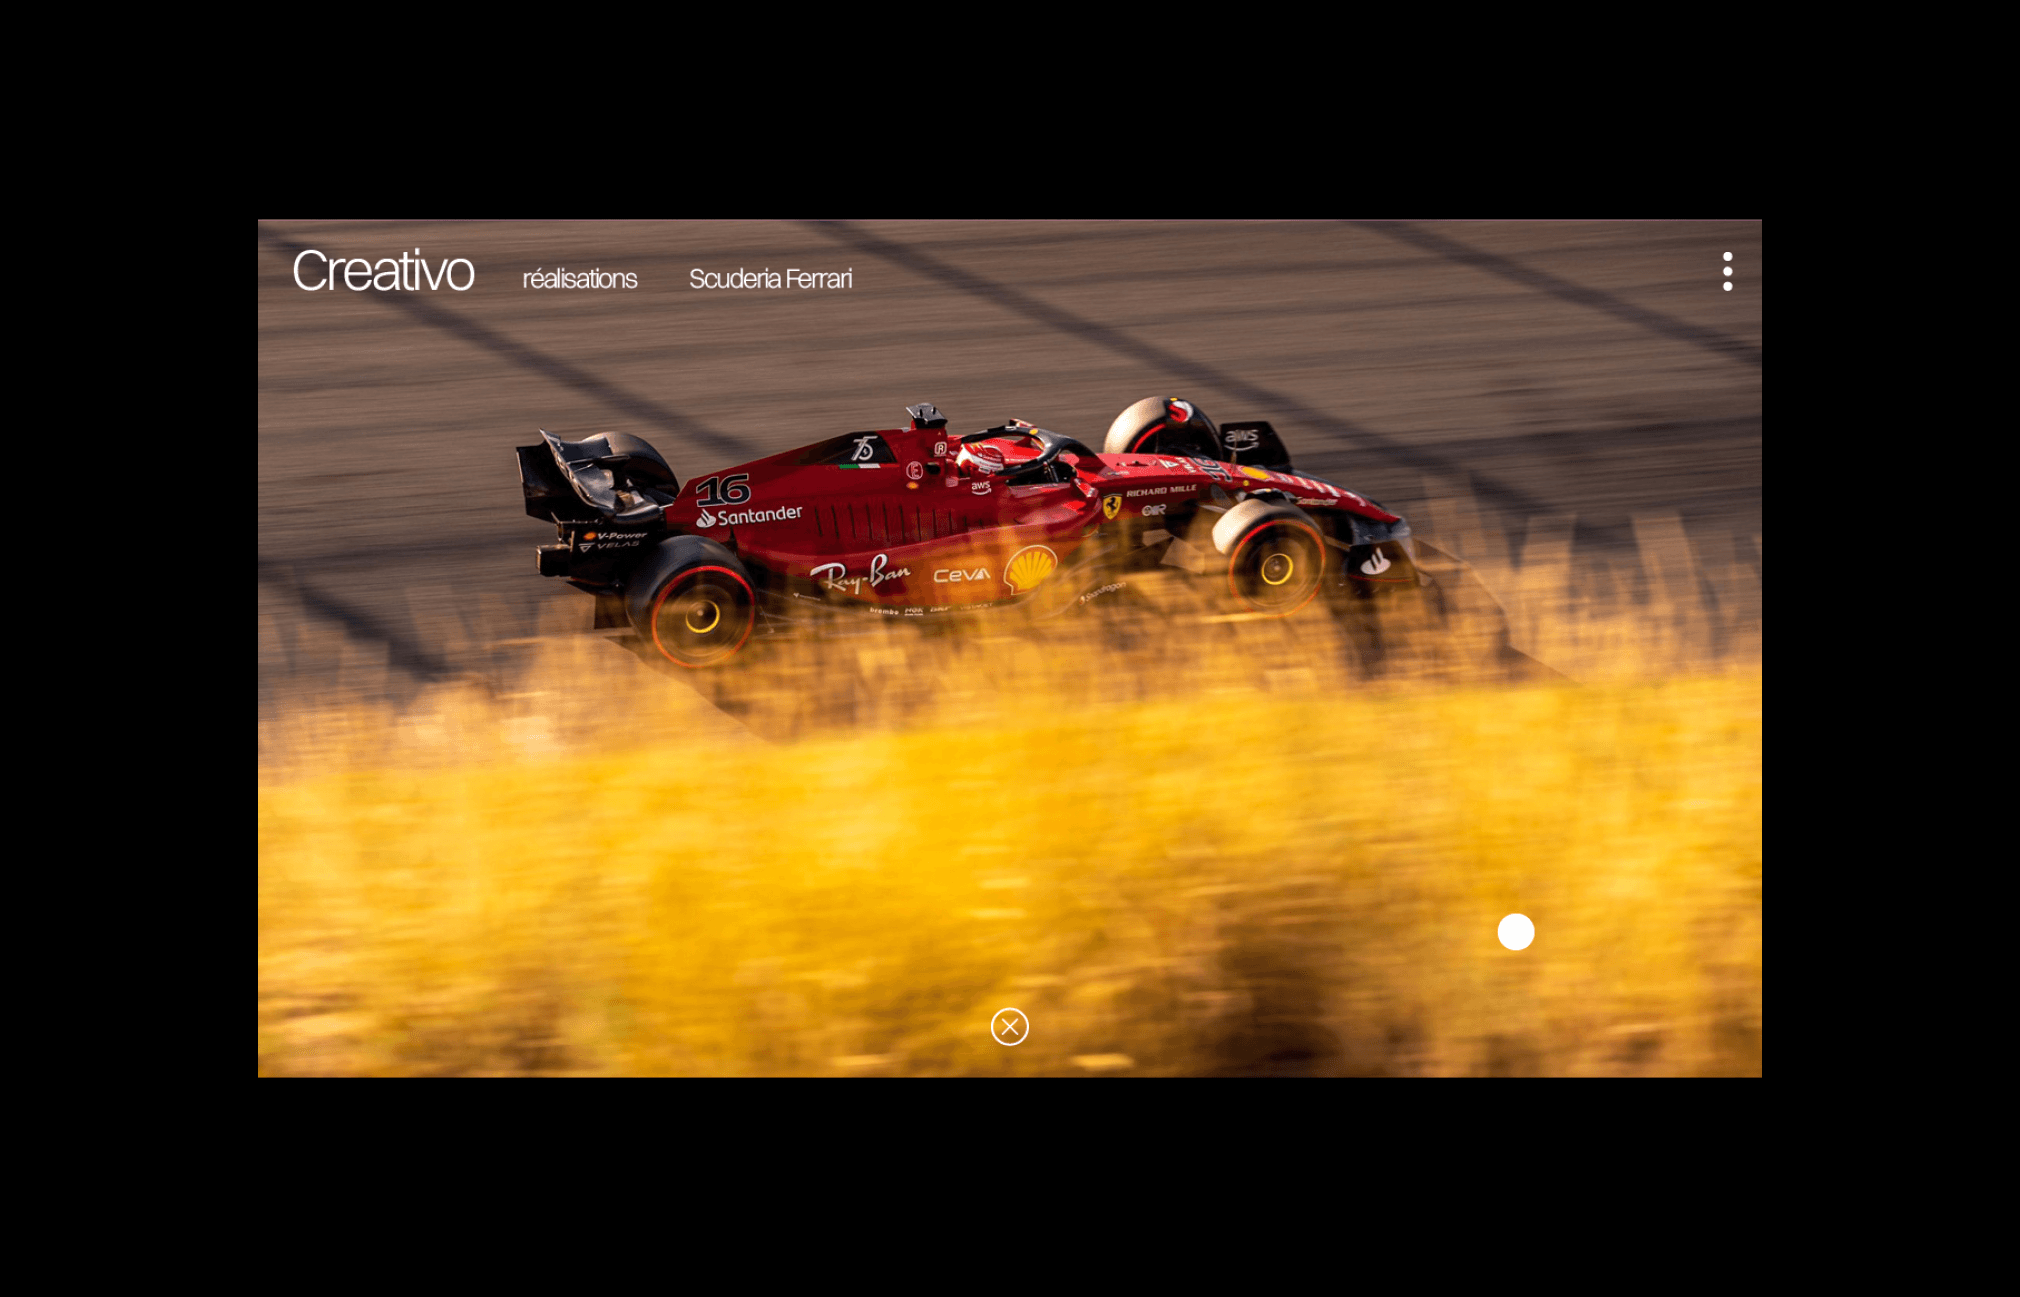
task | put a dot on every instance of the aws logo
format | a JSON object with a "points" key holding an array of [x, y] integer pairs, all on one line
{"points": [[1110, 506], [1028, 567]]}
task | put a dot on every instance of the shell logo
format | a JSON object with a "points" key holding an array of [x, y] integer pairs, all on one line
{"points": [[1029, 566], [1255, 473]]}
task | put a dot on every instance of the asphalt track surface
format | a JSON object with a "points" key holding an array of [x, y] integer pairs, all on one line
{"points": [[1566, 375]]}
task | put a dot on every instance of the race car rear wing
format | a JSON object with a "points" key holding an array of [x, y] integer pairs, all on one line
{"points": [[611, 477]]}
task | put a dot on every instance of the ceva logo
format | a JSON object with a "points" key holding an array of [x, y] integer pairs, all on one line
{"points": [[314, 272]]}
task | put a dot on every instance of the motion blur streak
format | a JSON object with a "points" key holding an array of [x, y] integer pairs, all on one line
{"points": [[1709, 339], [1180, 845]]}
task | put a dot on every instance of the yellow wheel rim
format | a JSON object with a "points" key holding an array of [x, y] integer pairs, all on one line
{"points": [[704, 617], [1280, 564]]}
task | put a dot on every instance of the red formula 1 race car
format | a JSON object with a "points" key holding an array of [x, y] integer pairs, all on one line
{"points": [[918, 522]]}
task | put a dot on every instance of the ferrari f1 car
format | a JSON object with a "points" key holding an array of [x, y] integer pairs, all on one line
{"points": [[918, 522]]}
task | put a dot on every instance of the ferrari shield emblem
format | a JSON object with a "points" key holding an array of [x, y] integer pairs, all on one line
{"points": [[1110, 506]]}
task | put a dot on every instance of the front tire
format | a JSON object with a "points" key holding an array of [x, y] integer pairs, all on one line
{"points": [[1276, 556]]}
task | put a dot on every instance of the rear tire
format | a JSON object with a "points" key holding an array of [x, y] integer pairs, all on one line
{"points": [[1276, 556], [693, 602]]}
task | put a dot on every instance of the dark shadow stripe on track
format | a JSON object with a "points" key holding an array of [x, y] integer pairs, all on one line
{"points": [[1654, 321], [539, 362], [389, 554], [402, 652], [1241, 392]]}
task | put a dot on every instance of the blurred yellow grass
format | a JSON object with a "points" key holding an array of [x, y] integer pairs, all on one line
{"points": [[1255, 873]]}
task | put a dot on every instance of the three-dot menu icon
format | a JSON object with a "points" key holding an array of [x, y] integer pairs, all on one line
{"points": [[1728, 274]]}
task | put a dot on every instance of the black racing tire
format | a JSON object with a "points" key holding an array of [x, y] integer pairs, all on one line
{"points": [[1149, 427], [1276, 556], [692, 602]]}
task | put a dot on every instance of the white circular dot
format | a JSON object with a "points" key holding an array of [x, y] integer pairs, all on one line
{"points": [[1728, 256], [1516, 932], [1728, 270], [1728, 285]]}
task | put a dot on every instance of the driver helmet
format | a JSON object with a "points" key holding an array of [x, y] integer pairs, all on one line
{"points": [[983, 457]]}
